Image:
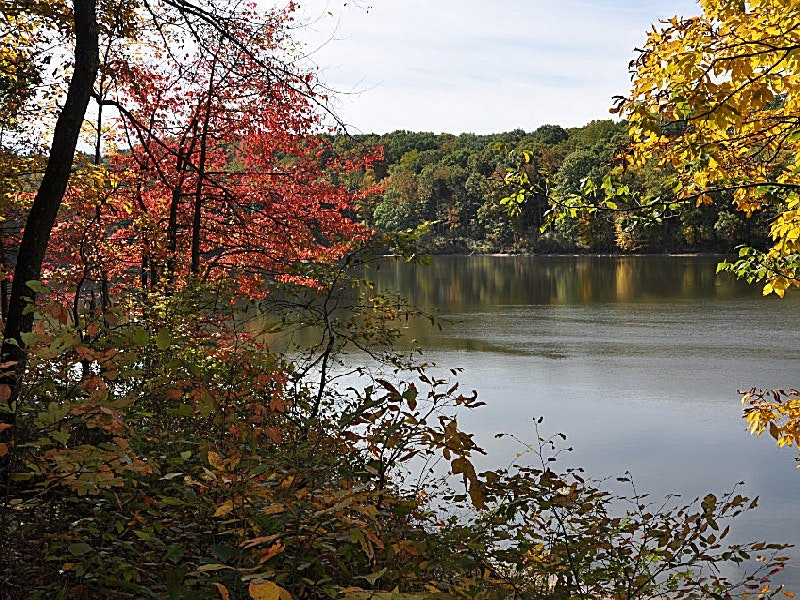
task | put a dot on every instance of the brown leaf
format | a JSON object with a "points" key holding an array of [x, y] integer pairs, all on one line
{"points": [[215, 460], [274, 434], [273, 509]]}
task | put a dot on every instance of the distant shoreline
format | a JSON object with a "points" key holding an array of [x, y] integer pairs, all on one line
{"points": [[580, 254]]}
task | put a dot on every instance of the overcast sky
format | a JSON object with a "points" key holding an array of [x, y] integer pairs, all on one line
{"points": [[482, 66]]}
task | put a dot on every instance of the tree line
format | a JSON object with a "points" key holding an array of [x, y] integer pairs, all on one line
{"points": [[453, 186]]}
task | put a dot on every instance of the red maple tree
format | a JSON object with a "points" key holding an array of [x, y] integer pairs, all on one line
{"points": [[220, 172]]}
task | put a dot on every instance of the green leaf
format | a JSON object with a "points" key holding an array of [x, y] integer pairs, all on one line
{"points": [[224, 553], [174, 555], [212, 567], [79, 549], [372, 578], [139, 336], [164, 339], [38, 287]]}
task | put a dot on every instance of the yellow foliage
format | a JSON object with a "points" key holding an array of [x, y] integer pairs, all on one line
{"points": [[224, 509], [775, 411], [716, 97]]}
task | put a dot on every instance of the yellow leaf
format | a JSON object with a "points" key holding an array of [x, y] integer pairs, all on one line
{"points": [[266, 590], [224, 508]]}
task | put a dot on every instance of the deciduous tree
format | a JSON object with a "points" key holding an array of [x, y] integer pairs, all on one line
{"points": [[715, 96]]}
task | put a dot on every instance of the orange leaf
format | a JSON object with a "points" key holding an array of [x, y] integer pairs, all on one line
{"points": [[223, 591], [5, 393], [273, 550], [266, 590], [3, 449]]}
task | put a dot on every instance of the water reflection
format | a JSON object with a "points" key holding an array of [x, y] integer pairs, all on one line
{"points": [[454, 282]]}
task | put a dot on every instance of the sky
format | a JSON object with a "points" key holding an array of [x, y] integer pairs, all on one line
{"points": [[480, 66]]}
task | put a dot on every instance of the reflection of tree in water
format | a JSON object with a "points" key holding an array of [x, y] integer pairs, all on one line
{"points": [[453, 283], [624, 281]]}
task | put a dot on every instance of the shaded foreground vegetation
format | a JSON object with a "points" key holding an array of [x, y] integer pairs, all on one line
{"points": [[170, 453]]}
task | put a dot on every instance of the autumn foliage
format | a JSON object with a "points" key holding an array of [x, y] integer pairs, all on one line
{"points": [[171, 425]]}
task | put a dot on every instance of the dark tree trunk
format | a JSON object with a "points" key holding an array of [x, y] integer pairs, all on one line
{"points": [[42, 216], [182, 162], [197, 217]]}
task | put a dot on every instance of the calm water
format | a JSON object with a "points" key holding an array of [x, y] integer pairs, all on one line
{"points": [[637, 359]]}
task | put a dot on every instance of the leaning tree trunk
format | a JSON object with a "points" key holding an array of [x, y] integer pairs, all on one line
{"points": [[42, 216]]}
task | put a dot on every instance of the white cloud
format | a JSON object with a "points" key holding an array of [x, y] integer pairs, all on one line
{"points": [[475, 65]]}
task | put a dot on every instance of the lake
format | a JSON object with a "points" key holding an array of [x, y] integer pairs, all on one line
{"points": [[637, 359]]}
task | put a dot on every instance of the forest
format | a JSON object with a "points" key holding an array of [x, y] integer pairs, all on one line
{"points": [[186, 246], [454, 186]]}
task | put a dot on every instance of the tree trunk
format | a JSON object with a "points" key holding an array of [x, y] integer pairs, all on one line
{"points": [[197, 218], [42, 216]]}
